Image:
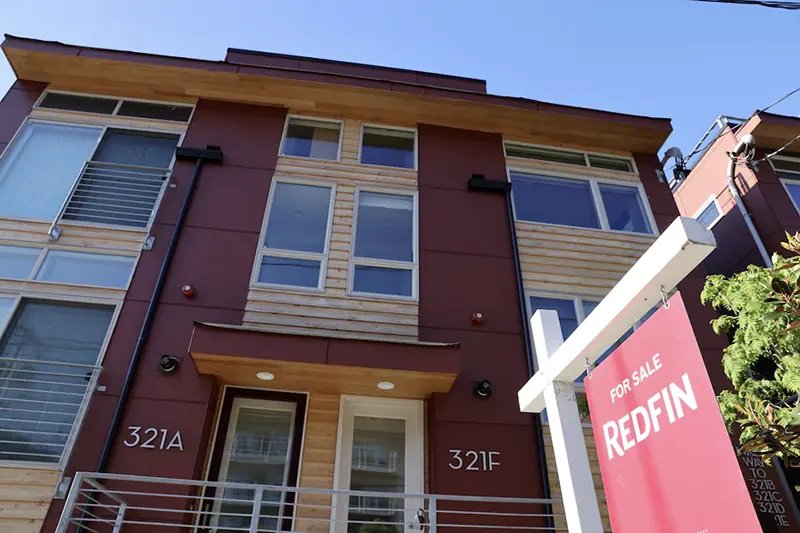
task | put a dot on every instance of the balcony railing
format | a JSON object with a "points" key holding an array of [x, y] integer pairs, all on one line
{"points": [[116, 503], [41, 407], [113, 194]]}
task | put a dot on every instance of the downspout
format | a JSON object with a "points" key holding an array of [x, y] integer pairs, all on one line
{"points": [[211, 154], [477, 182], [747, 143]]}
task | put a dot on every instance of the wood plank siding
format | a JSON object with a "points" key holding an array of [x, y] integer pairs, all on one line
{"points": [[25, 495], [333, 311]]}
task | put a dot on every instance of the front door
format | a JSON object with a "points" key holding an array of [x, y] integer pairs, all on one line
{"points": [[261, 446], [380, 451]]}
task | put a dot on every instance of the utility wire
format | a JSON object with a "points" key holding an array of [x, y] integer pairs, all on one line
{"points": [[779, 100], [762, 3]]}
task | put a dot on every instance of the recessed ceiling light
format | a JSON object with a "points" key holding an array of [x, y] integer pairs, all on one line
{"points": [[386, 385], [266, 376]]}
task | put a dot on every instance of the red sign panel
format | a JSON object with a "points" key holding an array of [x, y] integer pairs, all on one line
{"points": [[666, 458]]}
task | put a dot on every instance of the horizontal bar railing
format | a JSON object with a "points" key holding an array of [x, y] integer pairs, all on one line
{"points": [[41, 405], [113, 194], [118, 503]]}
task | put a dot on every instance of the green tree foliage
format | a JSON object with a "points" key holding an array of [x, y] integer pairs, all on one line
{"points": [[761, 317]]}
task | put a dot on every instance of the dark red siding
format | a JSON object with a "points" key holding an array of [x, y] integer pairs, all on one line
{"points": [[15, 107], [467, 266]]}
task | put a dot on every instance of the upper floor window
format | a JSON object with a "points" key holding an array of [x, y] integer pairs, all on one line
{"points": [[390, 147], [788, 170], [384, 259], [709, 213], [570, 157], [115, 106], [48, 357], [312, 138], [85, 173], [585, 203], [61, 266], [295, 247]]}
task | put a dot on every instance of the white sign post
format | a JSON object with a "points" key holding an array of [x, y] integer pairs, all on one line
{"points": [[679, 249]]}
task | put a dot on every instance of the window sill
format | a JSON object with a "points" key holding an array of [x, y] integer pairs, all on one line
{"points": [[592, 230], [320, 159], [286, 288], [388, 167], [386, 297], [31, 465]]}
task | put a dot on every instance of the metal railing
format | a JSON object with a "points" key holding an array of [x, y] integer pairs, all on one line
{"points": [[117, 503], [374, 458], [262, 448], [113, 194], [41, 406]]}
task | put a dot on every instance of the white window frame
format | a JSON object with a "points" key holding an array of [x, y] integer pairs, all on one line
{"points": [[711, 200], [120, 100], [389, 128], [413, 266], [586, 154], [276, 252], [412, 411], [314, 119], [116, 307], [45, 249], [104, 122], [594, 185]]}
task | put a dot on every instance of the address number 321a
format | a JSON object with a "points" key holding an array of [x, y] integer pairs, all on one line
{"points": [[149, 438]]}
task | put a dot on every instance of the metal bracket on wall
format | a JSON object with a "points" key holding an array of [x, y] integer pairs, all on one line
{"points": [[62, 488], [148, 243]]}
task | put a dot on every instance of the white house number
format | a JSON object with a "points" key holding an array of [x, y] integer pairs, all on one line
{"points": [[149, 438], [474, 460]]}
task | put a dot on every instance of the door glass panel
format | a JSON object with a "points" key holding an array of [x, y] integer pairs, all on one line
{"points": [[378, 465], [257, 451]]}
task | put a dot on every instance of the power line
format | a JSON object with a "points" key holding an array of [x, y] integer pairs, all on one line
{"points": [[762, 3]]}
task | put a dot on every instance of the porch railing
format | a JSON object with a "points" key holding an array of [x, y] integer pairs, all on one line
{"points": [[42, 404], [116, 503], [112, 194]]}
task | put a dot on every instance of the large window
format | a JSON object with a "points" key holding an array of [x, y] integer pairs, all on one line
{"points": [[312, 138], [48, 356], [61, 266], [102, 169], [384, 252], [585, 203], [295, 246], [389, 147]]}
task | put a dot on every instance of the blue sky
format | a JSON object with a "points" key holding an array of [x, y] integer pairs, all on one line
{"points": [[668, 58]]}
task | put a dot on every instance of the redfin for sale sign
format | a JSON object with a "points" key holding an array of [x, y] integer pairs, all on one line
{"points": [[665, 455]]}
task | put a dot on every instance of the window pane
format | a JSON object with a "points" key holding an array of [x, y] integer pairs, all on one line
{"points": [[709, 215], [289, 271], [786, 164], [39, 169], [385, 226], [298, 219], [567, 317], [310, 138], [86, 269], [39, 396], [381, 280], [554, 200], [73, 102], [624, 208], [393, 148], [545, 154], [794, 191], [16, 262], [610, 163], [378, 465], [177, 113]]}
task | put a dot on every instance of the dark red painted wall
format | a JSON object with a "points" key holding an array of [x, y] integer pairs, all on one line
{"points": [[215, 254], [15, 107], [467, 266]]}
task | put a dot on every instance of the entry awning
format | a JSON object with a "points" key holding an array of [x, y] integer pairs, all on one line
{"points": [[315, 363]]}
